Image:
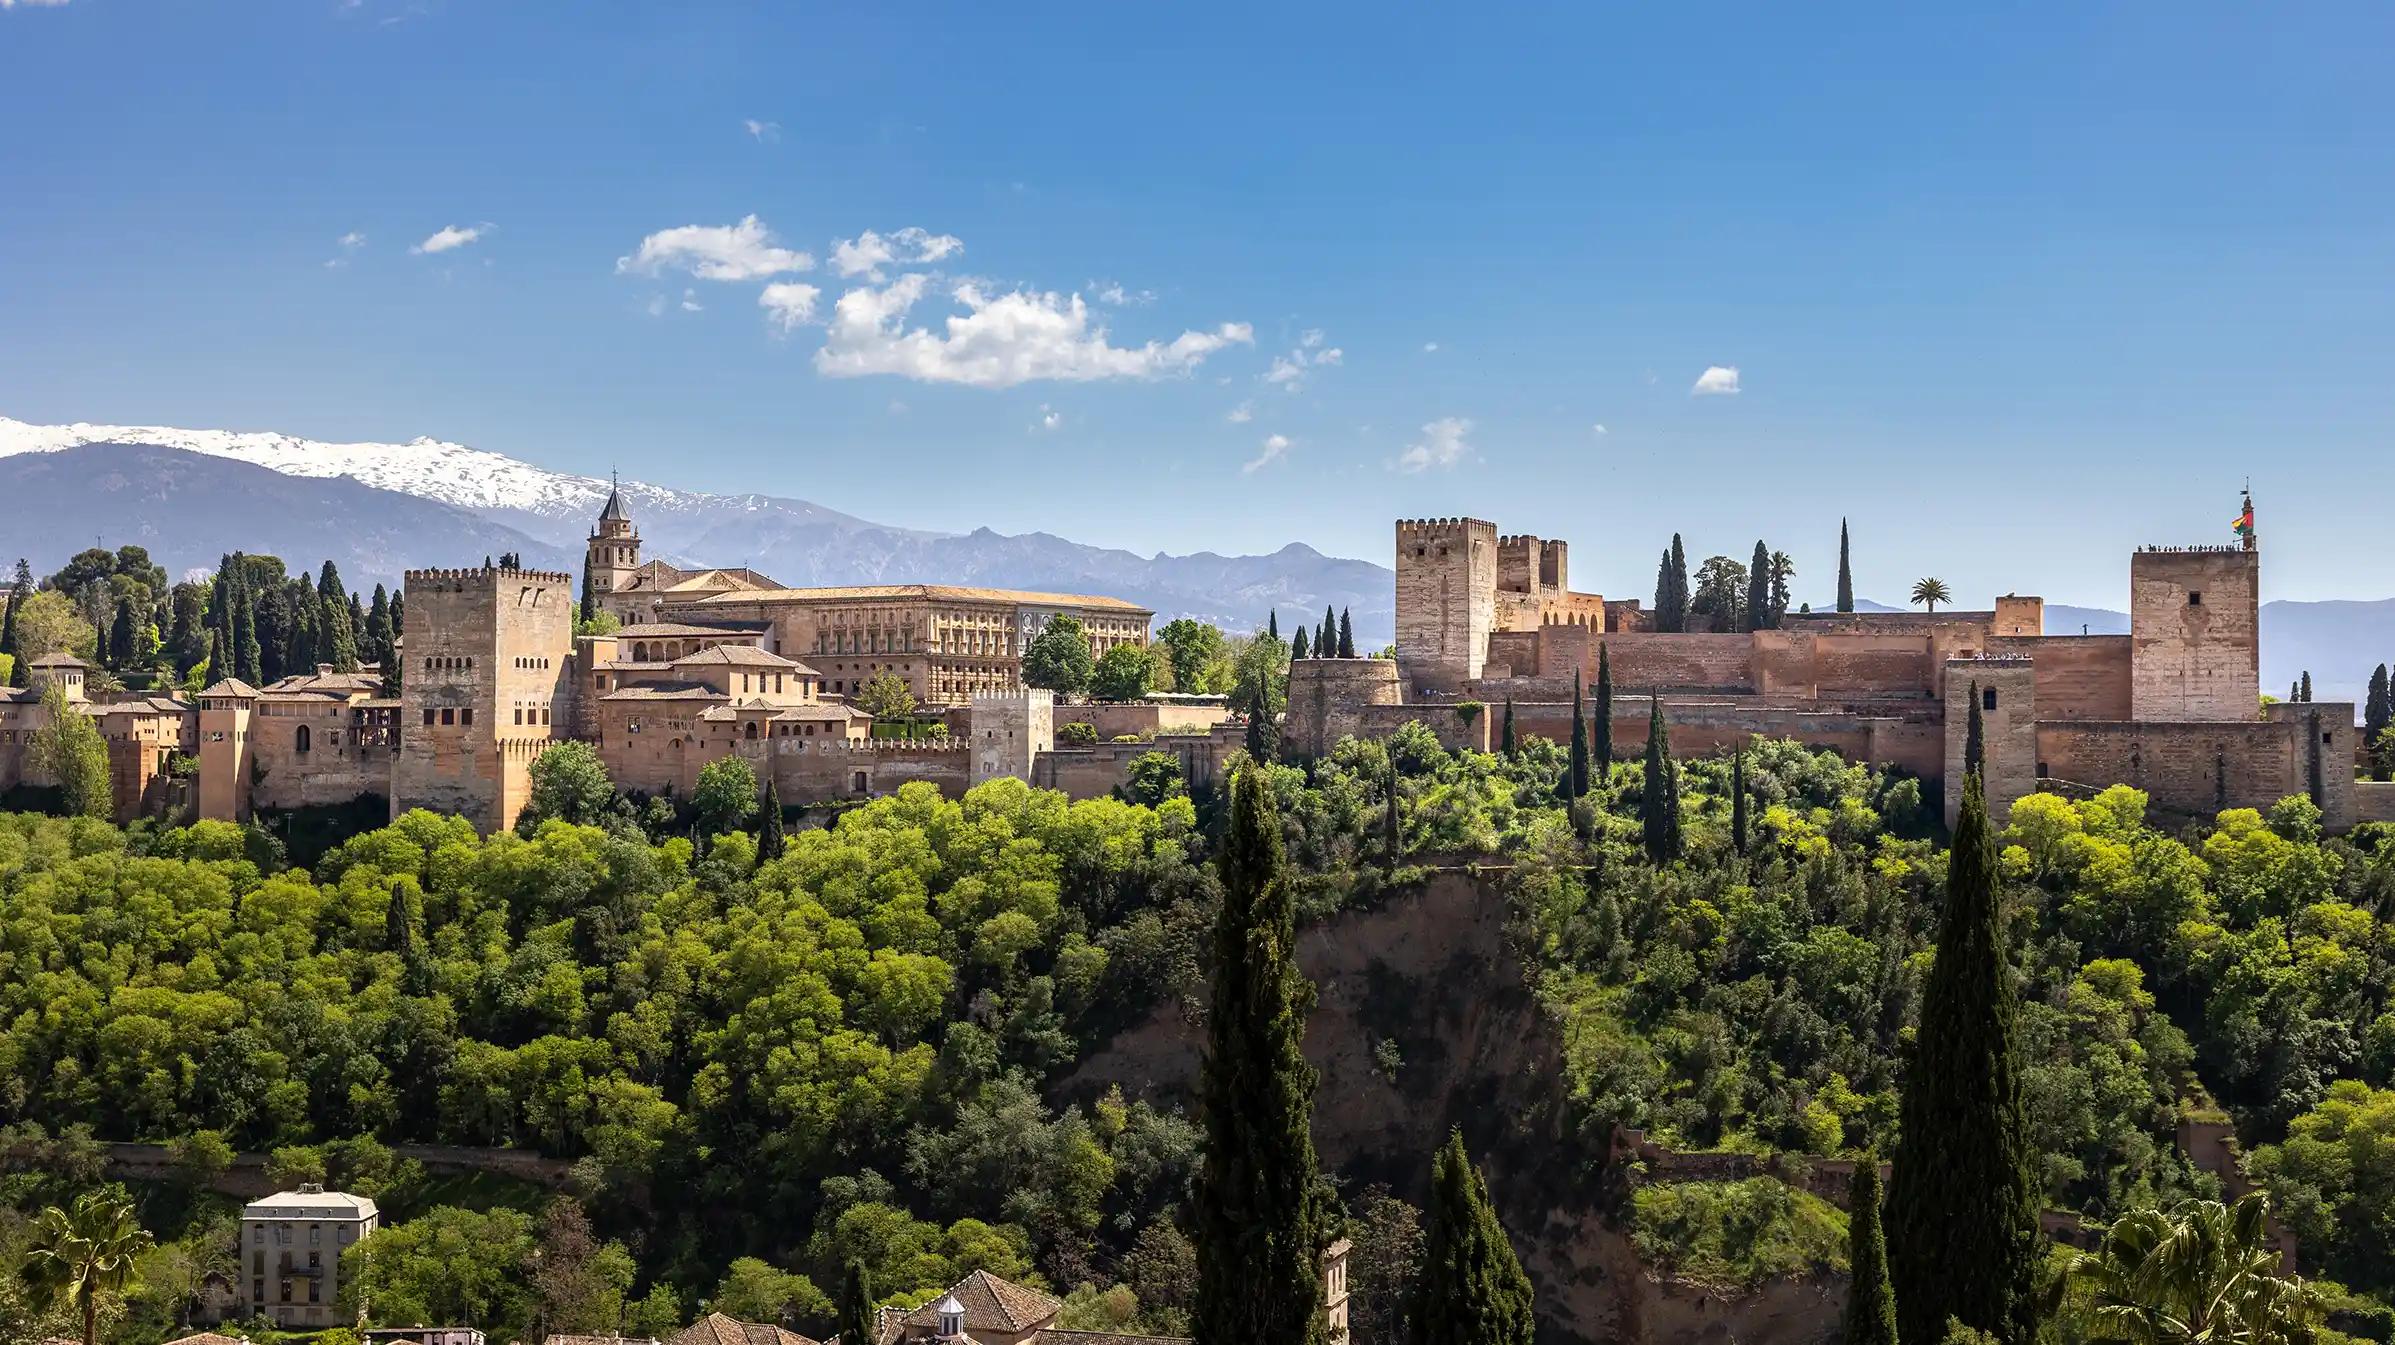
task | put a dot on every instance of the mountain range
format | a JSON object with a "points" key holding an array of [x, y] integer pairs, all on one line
{"points": [[376, 509]]}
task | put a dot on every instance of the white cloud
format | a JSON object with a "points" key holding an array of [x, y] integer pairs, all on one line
{"points": [[1112, 293], [1718, 380], [1311, 340], [789, 304], [1276, 447], [1049, 419], [1430, 347], [1597, 431], [763, 130], [450, 238], [352, 241], [999, 341], [31, 4], [1444, 443], [743, 251], [1289, 372], [898, 408], [867, 253], [1333, 356], [690, 301], [1242, 413]]}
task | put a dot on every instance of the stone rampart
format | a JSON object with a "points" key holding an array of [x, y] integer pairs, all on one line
{"points": [[1329, 699]]}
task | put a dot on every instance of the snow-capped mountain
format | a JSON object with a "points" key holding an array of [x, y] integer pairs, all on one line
{"points": [[795, 541]]}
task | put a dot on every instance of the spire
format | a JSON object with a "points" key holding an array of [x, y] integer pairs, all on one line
{"points": [[614, 512]]}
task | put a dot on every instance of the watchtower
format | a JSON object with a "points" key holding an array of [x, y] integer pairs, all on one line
{"points": [[2195, 634], [2005, 689], [1010, 729], [489, 685], [1446, 600], [613, 554]]}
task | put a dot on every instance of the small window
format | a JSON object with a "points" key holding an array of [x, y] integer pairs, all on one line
{"points": [[466, 716], [2194, 599], [428, 716], [1987, 698], [2328, 739], [448, 716]]}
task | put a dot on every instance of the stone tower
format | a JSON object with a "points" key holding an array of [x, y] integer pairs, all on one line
{"points": [[2006, 685], [1446, 600], [1010, 729], [2194, 631], [614, 551], [489, 685]]}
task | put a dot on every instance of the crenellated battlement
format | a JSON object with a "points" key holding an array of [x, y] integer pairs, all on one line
{"points": [[493, 574], [1443, 527]]}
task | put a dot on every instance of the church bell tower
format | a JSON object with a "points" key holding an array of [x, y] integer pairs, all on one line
{"points": [[614, 551]]}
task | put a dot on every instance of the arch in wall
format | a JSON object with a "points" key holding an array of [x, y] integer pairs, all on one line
{"points": [[299, 740], [749, 730]]}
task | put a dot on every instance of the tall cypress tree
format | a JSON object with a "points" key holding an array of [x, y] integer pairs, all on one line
{"points": [[1472, 1290], [1297, 645], [1600, 738], [1758, 589], [1258, 1207], [590, 599], [1575, 779], [1870, 1302], [856, 1306], [1679, 574], [1347, 635], [336, 639], [1272, 624], [19, 586], [1505, 741], [2377, 711], [1738, 824], [1845, 572], [1659, 804], [1392, 836], [770, 842], [1962, 1211], [1663, 590], [1975, 739], [1263, 736], [398, 613], [2307, 686], [119, 654], [1326, 635], [242, 626]]}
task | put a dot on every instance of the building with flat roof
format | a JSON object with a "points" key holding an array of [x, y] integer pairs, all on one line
{"points": [[291, 1245]]}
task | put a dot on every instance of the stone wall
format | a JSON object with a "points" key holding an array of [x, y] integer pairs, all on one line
{"points": [[332, 769], [1330, 697], [486, 649], [2320, 749], [2078, 676], [1094, 772], [2194, 620], [1009, 731], [2373, 801], [2006, 690], [1446, 599], [2198, 768], [1675, 662], [1113, 719]]}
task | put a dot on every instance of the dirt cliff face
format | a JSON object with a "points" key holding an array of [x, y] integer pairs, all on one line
{"points": [[1430, 975]]}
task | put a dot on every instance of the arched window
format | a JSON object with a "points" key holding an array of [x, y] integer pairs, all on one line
{"points": [[299, 740], [751, 730]]}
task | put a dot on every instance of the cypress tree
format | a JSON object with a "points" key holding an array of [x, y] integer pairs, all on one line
{"points": [[1326, 636], [2376, 712], [337, 640], [1758, 589], [1347, 635], [1679, 575], [1663, 590], [1505, 742], [1738, 803], [1392, 836], [1963, 1206], [2307, 686], [1297, 645], [1575, 779], [1472, 1290], [1263, 736], [120, 637], [770, 842], [241, 627], [2295, 693], [1975, 742], [1870, 1302], [220, 618], [856, 1306], [1258, 1206], [1600, 738], [1845, 572], [590, 600], [18, 587], [1659, 805], [1272, 624], [399, 613]]}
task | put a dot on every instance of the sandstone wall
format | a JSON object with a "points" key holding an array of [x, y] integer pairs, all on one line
{"points": [[1112, 719], [2194, 619], [1648, 661], [1329, 698], [2078, 676], [2006, 690], [486, 650], [1095, 772], [2191, 768], [1446, 599], [2374, 801]]}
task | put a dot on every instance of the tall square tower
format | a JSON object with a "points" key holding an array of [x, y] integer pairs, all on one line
{"points": [[1446, 600], [2195, 634], [489, 685]]}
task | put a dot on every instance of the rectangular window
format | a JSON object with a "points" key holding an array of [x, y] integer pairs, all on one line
{"points": [[448, 715], [1987, 698], [285, 1290], [257, 1291], [313, 1288], [466, 716], [2194, 599]]}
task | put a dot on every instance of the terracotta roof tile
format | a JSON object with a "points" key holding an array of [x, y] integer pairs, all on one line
{"points": [[932, 592], [992, 1304], [717, 1329]]}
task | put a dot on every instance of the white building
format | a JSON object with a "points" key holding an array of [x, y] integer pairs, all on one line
{"points": [[291, 1245]]}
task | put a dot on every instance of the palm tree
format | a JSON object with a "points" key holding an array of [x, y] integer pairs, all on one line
{"points": [[1930, 592], [78, 1255], [2200, 1271]]}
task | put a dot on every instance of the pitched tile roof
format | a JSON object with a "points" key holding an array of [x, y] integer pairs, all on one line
{"points": [[742, 656], [650, 630], [932, 592], [555, 1338], [992, 1304], [1049, 1335], [717, 1329], [231, 686], [208, 1338]]}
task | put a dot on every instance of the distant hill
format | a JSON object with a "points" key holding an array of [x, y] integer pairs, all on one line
{"points": [[189, 510], [547, 515]]}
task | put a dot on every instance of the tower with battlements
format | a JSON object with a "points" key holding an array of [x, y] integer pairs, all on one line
{"points": [[2195, 634], [489, 685], [1446, 600]]}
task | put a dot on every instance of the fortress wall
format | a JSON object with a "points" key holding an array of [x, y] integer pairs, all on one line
{"points": [[1456, 730], [1643, 661], [1095, 772], [2374, 801], [2190, 767], [1329, 699], [2078, 676], [1515, 653], [1112, 719], [1830, 664]]}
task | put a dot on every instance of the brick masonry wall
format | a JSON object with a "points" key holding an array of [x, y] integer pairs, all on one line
{"points": [[1147, 718], [2078, 676], [1643, 662], [2191, 768]]}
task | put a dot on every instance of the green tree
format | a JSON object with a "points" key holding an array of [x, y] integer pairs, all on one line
{"points": [[1738, 821], [1782, 569], [337, 640], [1964, 1202], [2201, 1273], [1058, 658], [69, 747], [885, 695], [770, 840], [1721, 587], [1152, 778], [725, 796], [1472, 1289], [589, 610], [1758, 588], [20, 587], [121, 639], [1930, 592], [1676, 572], [242, 626], [187, 633], [1600, 738], [1845, 572], [1195, 650], [569, 784], [1975, 739], [1126, 672], [1505, 738], [1347, 635], [1298, 648], [1259, 1206], [79, 1254], [2306, 686], [1659, 802], [2378, 710], [1870, 1299], [1575, 776], [856, 1306]]}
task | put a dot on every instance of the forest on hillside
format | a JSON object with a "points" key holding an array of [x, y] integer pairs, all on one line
{"points": [[765, 1057]]}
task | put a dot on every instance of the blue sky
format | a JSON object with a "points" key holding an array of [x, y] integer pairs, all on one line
{"points": [[2015, 287]]}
